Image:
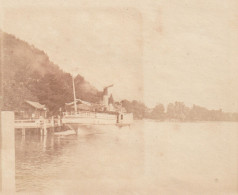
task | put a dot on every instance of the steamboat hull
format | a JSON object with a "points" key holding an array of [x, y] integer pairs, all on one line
{"points": [[93, 121]]}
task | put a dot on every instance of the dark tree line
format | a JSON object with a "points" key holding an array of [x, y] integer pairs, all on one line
{"points": [[177, 111]]}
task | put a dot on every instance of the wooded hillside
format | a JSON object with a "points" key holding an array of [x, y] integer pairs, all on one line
{"points": [[28, 74]]}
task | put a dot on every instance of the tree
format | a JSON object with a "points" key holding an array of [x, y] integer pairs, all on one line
{"points": [[137, 108], [170, 111], [158, 112]]}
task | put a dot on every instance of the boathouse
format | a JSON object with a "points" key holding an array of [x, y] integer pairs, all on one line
{"points": [[31, 110]]}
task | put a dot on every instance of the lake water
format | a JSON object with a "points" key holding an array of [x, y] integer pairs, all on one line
{"points": [[147, 158]]}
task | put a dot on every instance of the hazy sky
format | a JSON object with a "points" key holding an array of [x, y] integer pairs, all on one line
{"points": [[153, 51]]}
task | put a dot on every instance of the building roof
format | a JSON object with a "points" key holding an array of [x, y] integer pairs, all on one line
{"points": [[36, 105]]}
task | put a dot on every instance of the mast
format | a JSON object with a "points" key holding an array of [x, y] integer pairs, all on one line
{"points": [[75, 105]]}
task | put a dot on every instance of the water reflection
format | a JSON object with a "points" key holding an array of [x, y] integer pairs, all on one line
{"points": [[148, 158], [35, 147], [65, 163], [34, 154]]}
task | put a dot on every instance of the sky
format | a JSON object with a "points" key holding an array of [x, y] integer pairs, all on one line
{"points": [[152, 51]]}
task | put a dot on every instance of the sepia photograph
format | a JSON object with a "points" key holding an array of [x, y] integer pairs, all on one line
{"points": [[119, 97]]}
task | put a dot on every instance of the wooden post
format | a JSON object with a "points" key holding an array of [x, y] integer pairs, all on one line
{"points": [[44, 143], [52, 121], [7, 140], [77, 131], [59, 124], [53, 124], [43, 131], [23, 139], [23, 131], [52, 141], [44, 128]]}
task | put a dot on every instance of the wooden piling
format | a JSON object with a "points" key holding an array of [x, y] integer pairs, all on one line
{"points": [[77, 131], [7, 140], [44, 129], [23, 131]]}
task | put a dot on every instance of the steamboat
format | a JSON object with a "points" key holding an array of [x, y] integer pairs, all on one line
{"points": [[85, 115]]}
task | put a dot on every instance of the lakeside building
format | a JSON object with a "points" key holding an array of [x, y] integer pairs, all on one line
{"points": [[31, 110]]}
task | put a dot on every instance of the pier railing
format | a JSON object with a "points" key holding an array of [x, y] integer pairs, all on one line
{"points": [[32, 123], [37, 123]]}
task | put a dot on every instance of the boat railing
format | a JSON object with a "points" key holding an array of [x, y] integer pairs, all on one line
{"points": [[90, 114]]}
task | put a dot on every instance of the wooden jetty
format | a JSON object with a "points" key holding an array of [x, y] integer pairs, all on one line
{"points": [[42, 126]]}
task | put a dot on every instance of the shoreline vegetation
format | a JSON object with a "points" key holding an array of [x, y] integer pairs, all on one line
{"points": [[177, 111], [28, 74]]}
